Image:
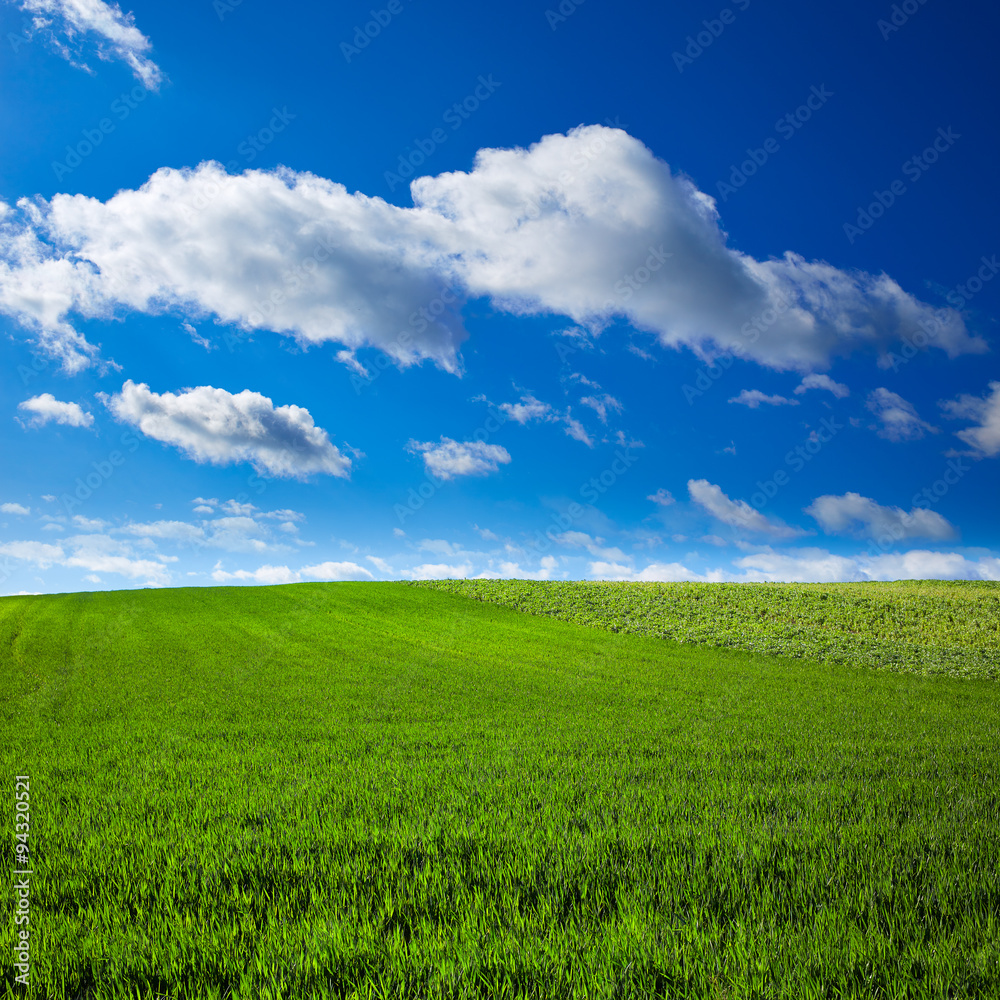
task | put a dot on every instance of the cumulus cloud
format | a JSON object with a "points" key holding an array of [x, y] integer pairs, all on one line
{"points": [[662, 497], [811, 565], [545, 230], [898, 419], [46, 408], [69, 23], [737, 513], [864, 518], [754, 397], [438, 571], [96, 553], [448, 458], [15, 508], [984, 439], [267, 575], [218, 427], [514, 571], [819, 566], [816, 381]]}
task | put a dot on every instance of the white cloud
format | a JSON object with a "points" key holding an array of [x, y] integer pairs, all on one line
{"points": [[602, 404], [448, 458], [513, 571], [438, 571], [811, 565], [486, 534], [46, 408], [96, 553], [39, 553], [215, 426], [264, 575], [737, 513], [547, 230], [15, 508], [528, 409], [984, 439], [815, 381], [204, 509], [89, 523], [754, 397], [101, 554], [595, 546], [337, 571], [172, 531], [380, 564], [238, 509], [270, 575], [439, 547], [576, 430], [68, 22], [285, 514], [662, 497], [899, 419], [654, 573], [863, 517], [237, 534], [398, 533], [819, 566]]}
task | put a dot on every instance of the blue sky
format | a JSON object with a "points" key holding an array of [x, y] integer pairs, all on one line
{"points": [[562, 291]]}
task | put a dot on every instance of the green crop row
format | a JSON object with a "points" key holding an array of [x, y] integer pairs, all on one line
{"points": [[924, 626]]}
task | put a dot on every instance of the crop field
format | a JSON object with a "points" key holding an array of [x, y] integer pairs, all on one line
{"points": [[379, 790], [918, 626]]}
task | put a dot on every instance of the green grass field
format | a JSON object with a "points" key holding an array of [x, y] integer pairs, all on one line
{"points": [[383, 790], [918, 626]]}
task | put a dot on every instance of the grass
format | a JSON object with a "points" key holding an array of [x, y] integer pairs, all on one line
{"points": [[379, 790], [917, 626]]}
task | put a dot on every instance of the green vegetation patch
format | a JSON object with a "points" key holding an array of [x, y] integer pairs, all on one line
{"points": [[382, 791], [923, 626]]}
